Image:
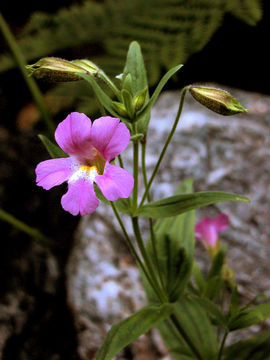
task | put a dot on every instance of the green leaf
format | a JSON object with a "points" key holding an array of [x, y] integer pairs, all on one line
{"points": [[131, 328], [100, 196], [191, 317], [157, 91], [217, 263], [123, 205], [198, 277], [234, 302], [135, 69], [213, 311], [213, 287], [54, 150], [174, 239], [180, 204], [250, 317], [135, 79], [105, 100], [255, 348]]}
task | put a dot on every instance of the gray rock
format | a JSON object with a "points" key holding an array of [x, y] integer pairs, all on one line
{"points": [[221, 153]]}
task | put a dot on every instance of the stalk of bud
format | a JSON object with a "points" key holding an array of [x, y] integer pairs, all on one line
{"points": [[217, 100]]}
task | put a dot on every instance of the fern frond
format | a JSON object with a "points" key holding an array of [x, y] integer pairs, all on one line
{"points": [[169, 31]]}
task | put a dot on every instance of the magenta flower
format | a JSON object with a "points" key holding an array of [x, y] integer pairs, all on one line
{"points": [[207, 230], [90, 147]]}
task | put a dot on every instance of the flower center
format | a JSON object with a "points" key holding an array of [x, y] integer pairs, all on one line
{"points": [[85, 172]]}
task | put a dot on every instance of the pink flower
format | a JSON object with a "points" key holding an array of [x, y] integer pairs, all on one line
{"points": [[90, 147], [207, 230]]}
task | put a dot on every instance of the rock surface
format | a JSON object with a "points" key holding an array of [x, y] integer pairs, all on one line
{"points": [[221, 153]]}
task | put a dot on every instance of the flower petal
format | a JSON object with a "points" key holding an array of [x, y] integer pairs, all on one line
{"points": [[115, 182], [207, 230], [109, 136], [53, 172], [73, 135], [80, 198], [221, 222]]}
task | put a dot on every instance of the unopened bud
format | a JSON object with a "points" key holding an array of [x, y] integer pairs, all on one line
{"points": [[228, 275], [139, 99], [57, 70], [87, 65], [219, 101], [120, 109]]}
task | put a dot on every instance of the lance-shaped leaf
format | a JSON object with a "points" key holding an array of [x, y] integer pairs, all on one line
{"points": [[158, 89], [255, 348], [135, 79], [131, 328], [135, 68], [250, 317], [174, 241], [192, 320], [179, 204], [53, 150]]}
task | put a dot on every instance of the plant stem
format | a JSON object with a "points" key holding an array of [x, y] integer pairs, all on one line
{"points": [[132, 248], [160, 293], [34, 233], [19, 58], [166, 144], [222, 345], [151, 225], [135, 174]]}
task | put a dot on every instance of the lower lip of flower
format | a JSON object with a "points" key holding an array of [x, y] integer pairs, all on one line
{"points": [[85, 172]]}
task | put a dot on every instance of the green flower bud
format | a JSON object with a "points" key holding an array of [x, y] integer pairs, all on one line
{"points": [[87, 65], [139, 99], [228, 275], [219, 101], [120, 109], [56, 70], [127, 82]]}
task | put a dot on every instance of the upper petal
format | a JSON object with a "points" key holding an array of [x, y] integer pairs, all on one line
{"points": [[115, 182], [109, 136], [221, 222], [80, 198], [53, 172], [73, 135]]}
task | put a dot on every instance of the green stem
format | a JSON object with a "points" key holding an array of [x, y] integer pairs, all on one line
{"points": [[132, 248], [34, 233], [151, 225], [222, 345], [135, 174], [177, 118], [159, 292], [19, 58]]}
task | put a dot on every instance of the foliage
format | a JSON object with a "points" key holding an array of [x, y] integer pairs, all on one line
{"points": [[168, 31]]}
